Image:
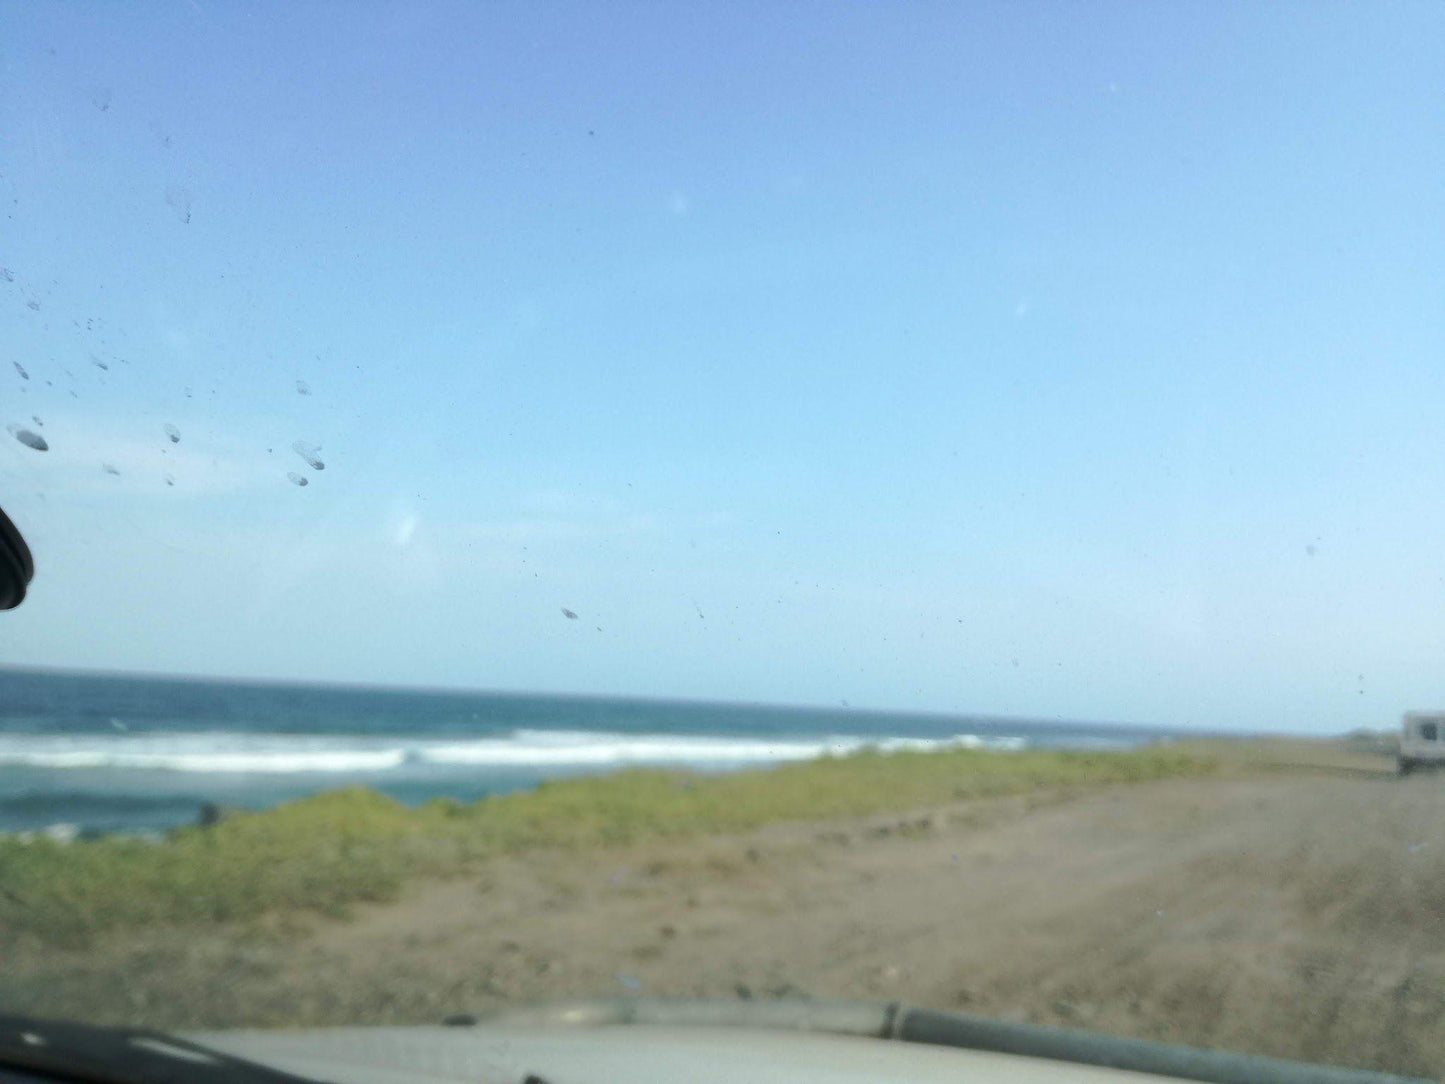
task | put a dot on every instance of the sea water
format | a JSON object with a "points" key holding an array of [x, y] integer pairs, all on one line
{"points": [[110, 753]]}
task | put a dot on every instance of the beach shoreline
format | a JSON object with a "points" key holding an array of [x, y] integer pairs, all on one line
{"points": [[1284, 903], [117, 753]]}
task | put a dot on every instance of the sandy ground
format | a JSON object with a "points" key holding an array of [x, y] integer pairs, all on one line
{"points": [[1298, 916]]}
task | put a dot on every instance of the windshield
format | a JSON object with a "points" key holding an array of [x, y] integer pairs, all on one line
{"points": [[532, 501]]}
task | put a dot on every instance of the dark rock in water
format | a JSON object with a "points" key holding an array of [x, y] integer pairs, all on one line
{"points": [[213, 813]]}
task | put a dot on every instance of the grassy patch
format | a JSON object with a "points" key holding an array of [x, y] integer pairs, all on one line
{"points": [[1318, 755], [326, 853]]}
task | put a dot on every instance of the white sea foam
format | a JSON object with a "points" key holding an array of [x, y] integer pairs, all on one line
{"points": [[179, 752], [293, 754]]}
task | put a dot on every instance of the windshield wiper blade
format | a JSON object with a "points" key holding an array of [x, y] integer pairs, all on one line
{"points": [[99, 1055]]}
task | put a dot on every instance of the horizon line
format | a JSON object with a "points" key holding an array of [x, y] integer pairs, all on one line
{"points": [[457, 690]]}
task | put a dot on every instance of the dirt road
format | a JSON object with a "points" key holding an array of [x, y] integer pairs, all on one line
{"points": [[1294, 916]]}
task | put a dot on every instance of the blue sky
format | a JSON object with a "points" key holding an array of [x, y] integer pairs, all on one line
{"points": [[1037, 359]]}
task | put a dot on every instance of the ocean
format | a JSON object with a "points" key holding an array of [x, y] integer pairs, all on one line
{"points": [[105, 753]]}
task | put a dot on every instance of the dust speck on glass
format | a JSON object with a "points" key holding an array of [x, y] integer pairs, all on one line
{"points": [[27, 437], [311, 453]]}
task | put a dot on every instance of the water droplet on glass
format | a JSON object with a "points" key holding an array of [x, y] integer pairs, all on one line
{"points": [[170, 481], [295, 478], [21, 370], [310, 453], [7, 274], [179, 200], [303, 388], [33, 305], [173, 433], [99, 364], [110, 469], [28, 438], [568, 614]]}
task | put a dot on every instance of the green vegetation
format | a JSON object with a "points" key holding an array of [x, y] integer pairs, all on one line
{"points": [[325, 853]]}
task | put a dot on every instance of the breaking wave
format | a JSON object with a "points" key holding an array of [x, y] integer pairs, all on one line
{"points": [[359, 754]]}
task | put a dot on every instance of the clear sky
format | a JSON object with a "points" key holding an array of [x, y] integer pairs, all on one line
{"points": [[1043, 359]]}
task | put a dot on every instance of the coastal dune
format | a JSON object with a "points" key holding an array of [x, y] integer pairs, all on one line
{"points": [[1275, 904]]}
